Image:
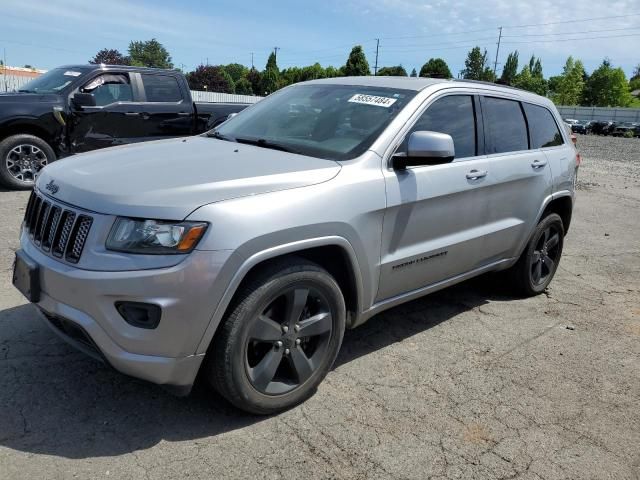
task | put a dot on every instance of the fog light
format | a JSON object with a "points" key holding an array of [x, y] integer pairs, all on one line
{"points": [[141, 315]]}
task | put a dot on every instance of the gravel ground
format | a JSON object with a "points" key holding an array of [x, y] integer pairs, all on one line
{"points": [[465, 383]]}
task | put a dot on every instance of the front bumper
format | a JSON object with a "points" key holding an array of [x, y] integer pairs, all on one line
{"points": [[86, 298]]}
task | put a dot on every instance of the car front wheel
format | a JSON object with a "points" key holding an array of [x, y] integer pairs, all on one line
{"points": [[279, 338]]}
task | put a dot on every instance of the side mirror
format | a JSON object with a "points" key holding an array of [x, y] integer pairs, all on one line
{"points": [[231, 115], [84, 100], [425, 148]]}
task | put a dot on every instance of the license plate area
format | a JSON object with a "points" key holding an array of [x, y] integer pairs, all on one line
{"points": [[26, 276]]}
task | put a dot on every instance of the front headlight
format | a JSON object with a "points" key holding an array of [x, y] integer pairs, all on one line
{"points": [[154, 237]]}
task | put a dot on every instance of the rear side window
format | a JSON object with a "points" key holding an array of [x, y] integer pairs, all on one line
{"points": [[161, 88], [504, 125], [454, 116], [543, 128]]}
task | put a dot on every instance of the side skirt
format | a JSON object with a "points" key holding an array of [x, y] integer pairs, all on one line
{"points": [[434, 287]]}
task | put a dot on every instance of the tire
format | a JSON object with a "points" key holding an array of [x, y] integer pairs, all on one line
{"points": [[21, 158], [262, 367], [539, 261]]}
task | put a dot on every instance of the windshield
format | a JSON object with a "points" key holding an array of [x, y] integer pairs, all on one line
{"points": [[52, 82], [338, 122]]}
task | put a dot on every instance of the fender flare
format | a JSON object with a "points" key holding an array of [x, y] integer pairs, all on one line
{"points": [[267, 254], [548, 199]]}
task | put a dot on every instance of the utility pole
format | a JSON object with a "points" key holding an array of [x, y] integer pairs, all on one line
{"points": [[251, 60], [275, 52], [495, 64], [375, 69]]}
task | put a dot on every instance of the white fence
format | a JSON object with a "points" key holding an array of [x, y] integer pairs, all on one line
{"points": [[9, 83], [215, 97], [601, 113]]}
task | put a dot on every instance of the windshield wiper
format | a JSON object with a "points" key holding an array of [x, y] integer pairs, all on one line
{"points": [[261, 142], [219, 136]]}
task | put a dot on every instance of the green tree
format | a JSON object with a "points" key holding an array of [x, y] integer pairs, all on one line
{"points": [[149, 54], [236, 70], [436, 68], [476, 66], [270, 81], [397, 71], [331, 72], [211, 79], [255, 78], [272, 62], [510, 70], [357, 64], [569, 88], [607, 87], [414, 73], [533, 83], [243, 87], [109, 56]]}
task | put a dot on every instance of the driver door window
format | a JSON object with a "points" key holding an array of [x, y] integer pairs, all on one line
{"points": [[453, 115], [110, 88]]}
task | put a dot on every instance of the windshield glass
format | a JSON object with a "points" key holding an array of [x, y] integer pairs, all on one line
{"points": [[336, 122], [52, 82]]}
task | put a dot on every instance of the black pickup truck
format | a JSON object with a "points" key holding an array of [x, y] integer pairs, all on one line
{"points": [[78, 108]]}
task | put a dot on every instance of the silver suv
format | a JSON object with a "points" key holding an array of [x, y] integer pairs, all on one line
{"points": [[244, 253]]}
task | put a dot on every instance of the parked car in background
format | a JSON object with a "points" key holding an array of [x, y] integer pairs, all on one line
{"points": [[625, 128], [570, 121], [78, 108], [581, 126], [241, 256], [601, 127]]}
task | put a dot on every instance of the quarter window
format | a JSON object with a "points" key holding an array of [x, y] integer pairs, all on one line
{"points": [[543, 128], [453, 115], [161, 88], [505, 127]]}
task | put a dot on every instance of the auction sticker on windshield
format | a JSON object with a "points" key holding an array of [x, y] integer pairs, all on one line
{"points": [[385, 102]]}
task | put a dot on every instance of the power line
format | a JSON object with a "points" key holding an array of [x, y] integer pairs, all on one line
{"points": [[572, 39], [579, 20], [438, 34], [571, 33]]}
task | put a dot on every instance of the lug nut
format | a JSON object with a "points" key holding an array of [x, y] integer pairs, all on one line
{"points": [[297, 341], [297, 328], [287, 351], [285, 329], [278, 344]]}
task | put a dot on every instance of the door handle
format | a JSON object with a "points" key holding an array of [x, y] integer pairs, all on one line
{"points": [[538, 164], [476, 174], [184, 114], [132, 114]]}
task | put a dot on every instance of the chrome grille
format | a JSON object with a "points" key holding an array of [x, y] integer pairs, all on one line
{"points": [[56, 229]]}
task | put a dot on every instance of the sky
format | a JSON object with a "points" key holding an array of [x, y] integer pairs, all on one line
{"points": [[48, 33]]}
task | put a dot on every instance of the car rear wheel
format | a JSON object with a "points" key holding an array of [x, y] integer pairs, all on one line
{"points": [[537, 265], [21, 159], [279, 338]]}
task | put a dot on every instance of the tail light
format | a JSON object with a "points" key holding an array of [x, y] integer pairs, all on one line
{"points": [[578, 159], [574, 139]]}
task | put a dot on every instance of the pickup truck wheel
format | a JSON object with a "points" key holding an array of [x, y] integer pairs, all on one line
{"points": [[538, 263], [21, 158], [279, 338]]}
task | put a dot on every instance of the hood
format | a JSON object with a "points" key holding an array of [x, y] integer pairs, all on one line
{"points": [[168, 179], [16, 97]]}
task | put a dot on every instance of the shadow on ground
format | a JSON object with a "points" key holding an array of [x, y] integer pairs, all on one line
{"points": [[59, 402]]}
